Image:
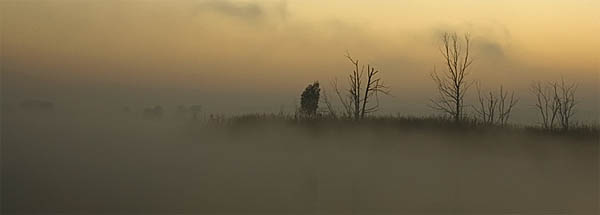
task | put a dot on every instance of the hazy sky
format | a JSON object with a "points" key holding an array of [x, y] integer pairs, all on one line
{"points": [[248, 56]]}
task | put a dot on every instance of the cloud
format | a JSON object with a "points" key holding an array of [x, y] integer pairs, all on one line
{"points": [[490, 49], [489, 38], [247, 11], [244, 10]]}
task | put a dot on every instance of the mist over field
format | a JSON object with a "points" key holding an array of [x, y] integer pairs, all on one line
{"points": [[299, 107], [65, 163]]}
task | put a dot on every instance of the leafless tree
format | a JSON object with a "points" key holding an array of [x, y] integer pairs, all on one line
{"points": [[487, 106], [362, 95], [547, 103], [452, 84], [495, 108], [565, 95], [505, 105]]}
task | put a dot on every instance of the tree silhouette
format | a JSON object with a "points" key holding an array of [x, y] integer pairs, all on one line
{"points": [[555, 103], [452, 84], [362, 90], [309, 102], [546, 103], [566, 103], [495, 108]]}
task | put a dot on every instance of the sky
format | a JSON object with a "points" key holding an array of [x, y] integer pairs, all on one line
{"points": [[257, 56]]}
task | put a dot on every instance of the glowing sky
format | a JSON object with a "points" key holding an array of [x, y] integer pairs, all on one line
{"points": [[257, 55]]}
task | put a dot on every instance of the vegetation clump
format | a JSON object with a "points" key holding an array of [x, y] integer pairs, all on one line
{"points": [[309, 101]]}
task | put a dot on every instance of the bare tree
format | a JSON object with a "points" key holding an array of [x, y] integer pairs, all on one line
{"points": [[362, 95], [495, 108], [565, 94], [547, 103], [506, 105], [355, 81], [487, 106], [452, 84]]}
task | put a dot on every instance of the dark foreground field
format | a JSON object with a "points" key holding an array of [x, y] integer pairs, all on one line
{"points": [[59, 163]]}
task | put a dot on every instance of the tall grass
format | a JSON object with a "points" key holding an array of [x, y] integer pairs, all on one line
{"points": [[433, 123]]}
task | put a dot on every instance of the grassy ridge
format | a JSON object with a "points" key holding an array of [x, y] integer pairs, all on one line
{"points": [[399, 122]]}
